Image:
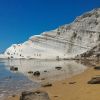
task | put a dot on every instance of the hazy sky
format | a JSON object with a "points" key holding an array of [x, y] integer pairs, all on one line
{"points": [[20, 19]]}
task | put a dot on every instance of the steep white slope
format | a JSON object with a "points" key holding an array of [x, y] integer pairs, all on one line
{"points": [[65, 42]]}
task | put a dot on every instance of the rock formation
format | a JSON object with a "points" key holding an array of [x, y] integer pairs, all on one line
{"points": [[37, 95], [67, 41]]}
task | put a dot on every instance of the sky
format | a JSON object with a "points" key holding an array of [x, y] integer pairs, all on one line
{"points": [[20, 19]]}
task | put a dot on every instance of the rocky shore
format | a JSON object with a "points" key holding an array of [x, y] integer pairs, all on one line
{"points": [[74, 88]]}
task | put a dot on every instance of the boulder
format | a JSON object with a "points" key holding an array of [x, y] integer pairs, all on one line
{"points": [[42, 78], [37, 73], [94, 80], [97, 67], [37, 95], [14, 68], [58, 68]]}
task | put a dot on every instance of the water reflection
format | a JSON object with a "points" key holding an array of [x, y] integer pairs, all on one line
{"points": [[17, 81], [46, 68]]}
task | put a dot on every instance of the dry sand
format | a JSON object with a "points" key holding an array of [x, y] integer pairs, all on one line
{"points": [[62, 90]]}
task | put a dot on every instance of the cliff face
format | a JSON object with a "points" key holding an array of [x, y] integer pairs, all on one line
{"points": [[66, 41], [94, 53]]}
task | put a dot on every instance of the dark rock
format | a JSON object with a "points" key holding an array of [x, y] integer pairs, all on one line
{"points": [[97, 67], [38, 95], [58, 68], [37, 73], [8, 57], [95, 80], [42, 78], [13, 95], [55, 96], [45, 71], [14, 68], [30, 72], [46, 85], [72, 82]]}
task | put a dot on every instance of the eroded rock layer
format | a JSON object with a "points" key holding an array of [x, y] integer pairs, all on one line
{"points": [[67, 41]]}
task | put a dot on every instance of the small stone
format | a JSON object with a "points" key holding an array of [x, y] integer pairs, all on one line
{"points": [[58, 68], [72, 82], [13, 95], [97, 67], [14, 68], [37, 73], [46, 85], [94, 80], [30, 72], [45, 71], [55, 96]]}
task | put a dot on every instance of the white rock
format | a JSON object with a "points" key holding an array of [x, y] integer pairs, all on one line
{"points": [[66, 41]]}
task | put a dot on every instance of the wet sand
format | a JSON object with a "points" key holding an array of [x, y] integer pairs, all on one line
{"points": [[80, 90]]}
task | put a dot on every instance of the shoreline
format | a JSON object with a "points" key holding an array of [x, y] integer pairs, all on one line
{"points": [[79, 90]]}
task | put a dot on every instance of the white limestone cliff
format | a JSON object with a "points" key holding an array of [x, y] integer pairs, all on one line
{"points": [[66, 41]]}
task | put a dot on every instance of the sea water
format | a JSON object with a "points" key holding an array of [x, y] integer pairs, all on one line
{"points": [[14, 82]]}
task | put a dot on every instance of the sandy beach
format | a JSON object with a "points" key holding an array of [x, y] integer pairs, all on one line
{"points": [[79, 90]]}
